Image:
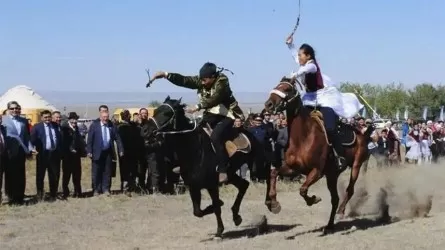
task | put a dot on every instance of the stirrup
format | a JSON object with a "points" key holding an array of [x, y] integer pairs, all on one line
{"points": [[341, 162]]}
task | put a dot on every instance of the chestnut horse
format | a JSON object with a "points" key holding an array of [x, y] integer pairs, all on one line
{"points": [[310, 152]]}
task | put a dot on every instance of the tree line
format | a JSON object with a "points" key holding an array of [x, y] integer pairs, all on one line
{"points": [[387, 99]]}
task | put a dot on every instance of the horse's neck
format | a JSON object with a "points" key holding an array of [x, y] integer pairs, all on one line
{"points": [[190, 146], [298, 122]]}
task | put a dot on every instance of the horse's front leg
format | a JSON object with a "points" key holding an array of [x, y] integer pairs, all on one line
{"points": [[313, 176], [214, 195], [271, 197], [331, 180], [195, 195], [242, 186]]}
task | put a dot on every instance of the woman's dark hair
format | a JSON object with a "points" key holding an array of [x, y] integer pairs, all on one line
{"points": [[308, 50]]}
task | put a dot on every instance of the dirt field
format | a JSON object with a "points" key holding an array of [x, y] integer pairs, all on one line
{"points": [[166, 222]]}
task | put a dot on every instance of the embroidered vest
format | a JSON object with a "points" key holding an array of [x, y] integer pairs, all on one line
{"points": [[314, 81]]}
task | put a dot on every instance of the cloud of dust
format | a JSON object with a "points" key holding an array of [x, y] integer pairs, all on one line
{"points": [[405, 191]]}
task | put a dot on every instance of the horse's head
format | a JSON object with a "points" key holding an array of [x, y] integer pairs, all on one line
{"points": [[169, 114], [281, 95]]}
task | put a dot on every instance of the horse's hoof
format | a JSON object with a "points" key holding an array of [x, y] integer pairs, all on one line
{"points": [[275, 207], [313, 200], [316, 199], [237, 220], [217, 238], [340, 215], [328, 230]]}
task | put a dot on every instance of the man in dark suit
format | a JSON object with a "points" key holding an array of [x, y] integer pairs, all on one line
{"points": [[47, 140], [100, 148], [73, 150], [3, 155], [19, 148]]}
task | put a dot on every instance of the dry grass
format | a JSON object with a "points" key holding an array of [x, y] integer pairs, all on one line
{"points": [[166, 222]]}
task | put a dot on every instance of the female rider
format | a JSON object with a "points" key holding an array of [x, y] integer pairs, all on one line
{"points": [[322, 93]]}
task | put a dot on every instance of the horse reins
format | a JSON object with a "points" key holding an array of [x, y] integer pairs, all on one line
{"points": [[181, 131], [168, 122]]}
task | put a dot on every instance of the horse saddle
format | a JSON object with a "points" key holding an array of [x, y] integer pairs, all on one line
{"points": [[238, 142], [346, 133]]}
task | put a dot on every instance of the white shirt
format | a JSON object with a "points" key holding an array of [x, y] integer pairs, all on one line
{"points": [[16, 124]]}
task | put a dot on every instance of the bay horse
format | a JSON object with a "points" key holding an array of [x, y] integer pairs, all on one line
{"points": [[310, 152], [197, 160]]}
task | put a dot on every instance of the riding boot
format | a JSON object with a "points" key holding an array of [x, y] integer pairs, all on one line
{"points": [[334, 138], [223, 162]]}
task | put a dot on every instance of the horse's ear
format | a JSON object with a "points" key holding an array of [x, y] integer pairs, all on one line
{"points": [[179, 100], [167, 98]]}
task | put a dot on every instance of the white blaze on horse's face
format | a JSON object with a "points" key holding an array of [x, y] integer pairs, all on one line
{"points": [[280, 95]]}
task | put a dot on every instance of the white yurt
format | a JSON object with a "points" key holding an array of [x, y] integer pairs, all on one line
{"points": [[31, 102]]}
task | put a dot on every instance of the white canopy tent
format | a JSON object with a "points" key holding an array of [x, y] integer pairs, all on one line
{"points": [[31, 102], [26, 97]]}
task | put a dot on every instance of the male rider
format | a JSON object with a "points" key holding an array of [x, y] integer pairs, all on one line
{"points": [[219, 105]]}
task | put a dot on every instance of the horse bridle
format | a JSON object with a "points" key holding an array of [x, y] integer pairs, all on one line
{"points": [[285, 97], [171, 121]]}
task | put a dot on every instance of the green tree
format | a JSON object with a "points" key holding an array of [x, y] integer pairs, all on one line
{"points": [[393, 97], [387, 99], [423, 95]]}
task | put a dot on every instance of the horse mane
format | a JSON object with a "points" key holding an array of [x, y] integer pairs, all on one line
{"points": [[288, 79], [368, 132]]}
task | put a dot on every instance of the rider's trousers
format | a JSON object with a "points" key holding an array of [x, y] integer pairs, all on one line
{"points": [[330, 119], [220, 134]]}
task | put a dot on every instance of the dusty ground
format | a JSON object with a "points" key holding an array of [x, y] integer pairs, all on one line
{"points": [[166, 222]]}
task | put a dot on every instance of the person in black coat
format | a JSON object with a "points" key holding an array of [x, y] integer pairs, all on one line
{"points": [[261, 132], [382, 149], [154, 157], [3, 155], [73, 149], [129, 133]]}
